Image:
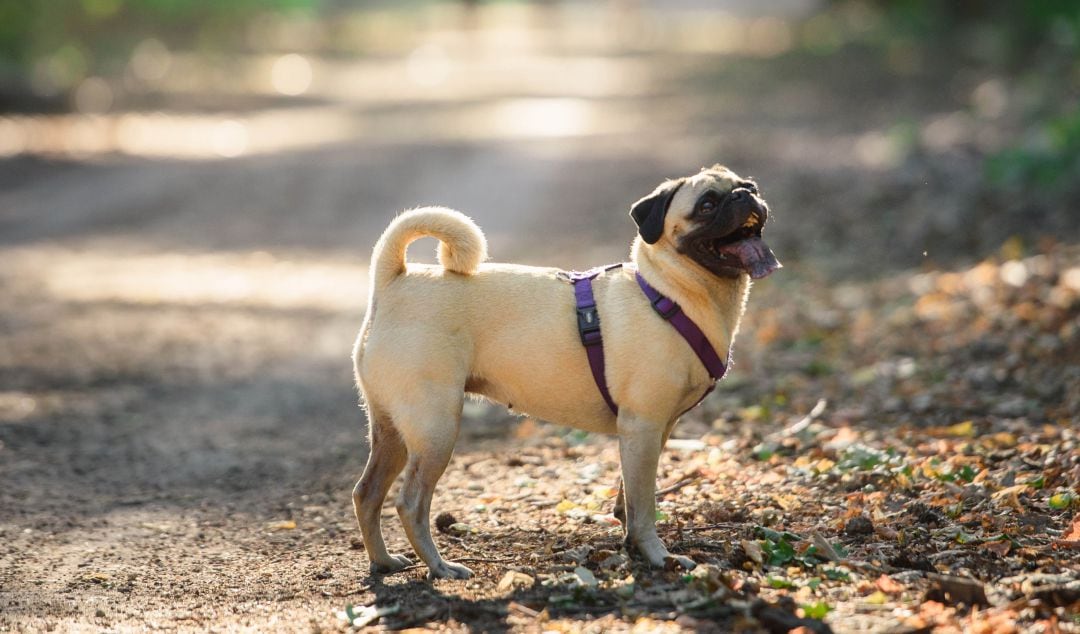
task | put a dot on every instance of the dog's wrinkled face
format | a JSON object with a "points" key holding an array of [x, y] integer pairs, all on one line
{"points": [[715, 218]]}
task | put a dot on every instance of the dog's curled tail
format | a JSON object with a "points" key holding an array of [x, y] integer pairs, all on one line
{"points": [[462, 246]]}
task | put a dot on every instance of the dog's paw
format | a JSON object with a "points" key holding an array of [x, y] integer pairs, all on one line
{"points": [[397, 562], [672, 562], [449, 570]]}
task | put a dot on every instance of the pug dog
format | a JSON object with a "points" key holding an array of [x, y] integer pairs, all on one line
{"points": [[434, 334]]}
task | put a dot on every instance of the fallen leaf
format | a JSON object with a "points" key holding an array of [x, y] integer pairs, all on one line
{"points": [[888, 585], [753, 551], [786, 502], [1000, 547], [286, 525], [362, 616], [514, 579], [585, 577], [1060, 501], [1074, 532], [565, 506], [577, 555], [816, 610], [951, 590], [825, 550], [965, 429], [1010, 497]]}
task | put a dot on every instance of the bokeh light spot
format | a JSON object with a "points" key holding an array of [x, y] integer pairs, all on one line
{"points": [[94, 95], [230, 138], [428, 65], [150, 61], [291, 74]]}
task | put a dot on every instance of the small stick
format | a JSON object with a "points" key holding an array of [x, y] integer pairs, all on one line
{"points": [[707, 527], [678, 485], [474, 560]]}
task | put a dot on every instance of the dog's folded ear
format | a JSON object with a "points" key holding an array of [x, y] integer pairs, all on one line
{"points": [[650, 211]]}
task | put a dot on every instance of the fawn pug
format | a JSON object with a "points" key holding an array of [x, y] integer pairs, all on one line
{"points": [[507, 332]]}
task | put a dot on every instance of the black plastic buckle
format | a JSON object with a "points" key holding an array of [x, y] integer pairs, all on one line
{"points": [[666, 314], [588, 323]]}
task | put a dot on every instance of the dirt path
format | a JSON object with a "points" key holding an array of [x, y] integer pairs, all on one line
{"points": [[179, 436]]}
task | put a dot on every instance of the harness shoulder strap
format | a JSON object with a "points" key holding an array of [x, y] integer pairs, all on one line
{"points": [[674, 315], [588, 322]]}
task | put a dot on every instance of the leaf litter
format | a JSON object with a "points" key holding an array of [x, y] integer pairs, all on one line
{"points": [[923, 475]]}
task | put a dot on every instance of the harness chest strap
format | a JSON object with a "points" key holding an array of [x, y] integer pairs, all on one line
{"points": [[589, 328]]}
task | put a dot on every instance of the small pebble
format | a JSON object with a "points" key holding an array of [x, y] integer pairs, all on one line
{"points": [[860, 525]]}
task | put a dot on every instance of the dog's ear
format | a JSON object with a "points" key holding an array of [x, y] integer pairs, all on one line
{"points": [[650, 211]]}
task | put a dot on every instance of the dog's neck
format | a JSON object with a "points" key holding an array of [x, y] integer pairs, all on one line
{"points": [[715, 304]]}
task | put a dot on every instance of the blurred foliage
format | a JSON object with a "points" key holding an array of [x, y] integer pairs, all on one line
{"points": [[1036, 44], [1024, 24], [1053, 159], [86, 35]]}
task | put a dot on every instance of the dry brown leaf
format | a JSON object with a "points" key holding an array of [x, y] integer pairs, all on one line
{"points": [[753, 551], [1074, 532], [514, 579], [999, 548], [888, 585], [1010, 497]]}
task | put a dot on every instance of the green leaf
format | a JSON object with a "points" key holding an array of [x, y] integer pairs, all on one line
{"points": [[966, 538], [1061, 501], [778, 583], [763, 451], [863, 458], [576, 437], [1037, 483], [836, 574], [776, 536], [809, 556], [782, 552], [816, 610]]}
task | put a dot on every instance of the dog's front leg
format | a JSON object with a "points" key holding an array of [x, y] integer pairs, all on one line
{"points": [[640, 442], [619, 511]]}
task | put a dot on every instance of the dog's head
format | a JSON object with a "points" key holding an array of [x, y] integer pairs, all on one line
{"points": [[715, 218]]}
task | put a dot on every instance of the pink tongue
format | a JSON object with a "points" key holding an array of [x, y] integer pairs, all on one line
{"points": [[755, 257]]}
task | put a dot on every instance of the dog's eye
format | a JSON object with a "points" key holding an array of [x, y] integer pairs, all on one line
{"points": [[708, 206]]}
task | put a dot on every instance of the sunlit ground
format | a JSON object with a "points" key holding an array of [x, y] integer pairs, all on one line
{"points": [[251, 280], [507, 72]]}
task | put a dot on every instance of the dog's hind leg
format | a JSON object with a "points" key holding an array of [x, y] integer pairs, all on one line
{"points": [[430, 441], [385, 461]]}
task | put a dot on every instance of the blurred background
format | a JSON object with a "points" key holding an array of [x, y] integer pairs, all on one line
{"points": [[190, 190], [287, 126]]}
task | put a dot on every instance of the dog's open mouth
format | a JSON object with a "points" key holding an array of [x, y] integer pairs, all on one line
{"points": [[741, 250]]}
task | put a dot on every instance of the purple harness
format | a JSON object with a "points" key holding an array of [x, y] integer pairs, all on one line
{"points": [[588, 321]]}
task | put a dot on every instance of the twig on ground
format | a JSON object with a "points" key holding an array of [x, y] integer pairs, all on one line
{"points": [[704, 527], [678, 485]]}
